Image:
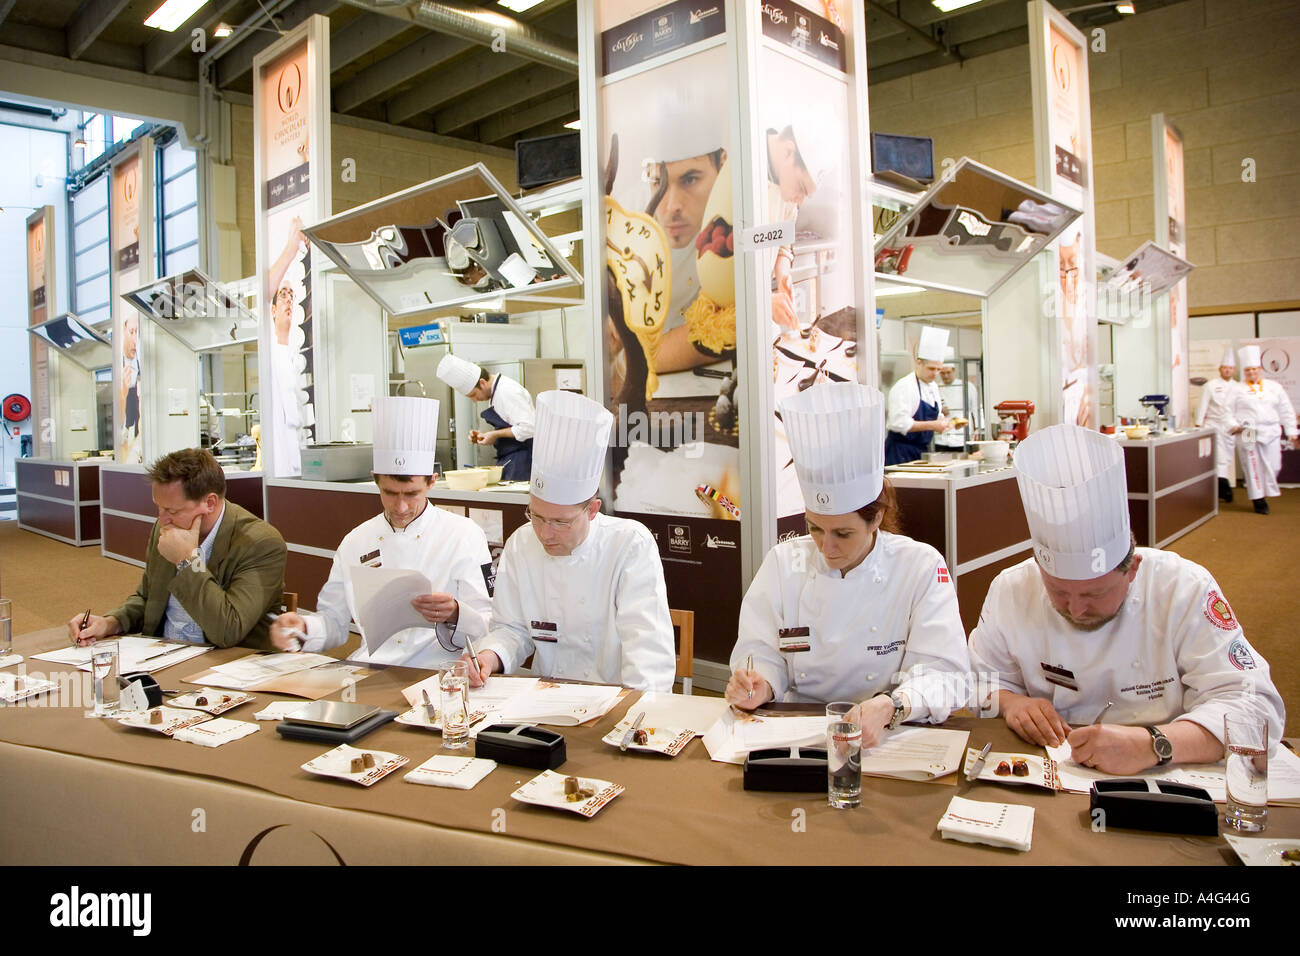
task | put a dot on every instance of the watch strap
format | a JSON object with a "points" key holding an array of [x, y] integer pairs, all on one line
{"points": [[1157, 738]]}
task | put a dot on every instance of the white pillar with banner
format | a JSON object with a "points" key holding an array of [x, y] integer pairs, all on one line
{"points": [[131, 234], [41, 305], [1171, 233]]}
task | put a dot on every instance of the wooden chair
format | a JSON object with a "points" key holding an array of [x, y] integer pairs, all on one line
{"points": [[684, 625]]}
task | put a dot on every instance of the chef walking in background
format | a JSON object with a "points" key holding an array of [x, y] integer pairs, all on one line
{"points": [[914, 401], [410, 534], [510, 416], [852, 610], [1260, 413], [954, 402], [582, 591], [1215, 411]]}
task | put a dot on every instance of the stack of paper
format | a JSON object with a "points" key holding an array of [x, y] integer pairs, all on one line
{"points": [[382, 597], [916, 753], [255, 669], [733, 736], [135, 654], [997, 824], [519, 700]]}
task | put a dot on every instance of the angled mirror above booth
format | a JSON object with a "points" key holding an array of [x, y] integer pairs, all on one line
{"points": [[1150, 269], [970, 231], [453, 241], [202, 313], [78, 341]]}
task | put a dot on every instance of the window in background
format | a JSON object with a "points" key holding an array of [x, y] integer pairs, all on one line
{"points": [[90, 253]]}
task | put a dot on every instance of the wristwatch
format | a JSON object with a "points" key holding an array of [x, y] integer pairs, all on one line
{"points": [[899, 707], [1161, 745], [188, 562]]}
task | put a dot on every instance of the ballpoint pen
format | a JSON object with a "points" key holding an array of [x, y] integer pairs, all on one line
{"points": [[1098, 718], [749, 666], [473, 656], [82, 626]]}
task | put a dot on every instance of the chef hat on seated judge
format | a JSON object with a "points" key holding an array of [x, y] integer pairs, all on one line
{"points": [[406, 435], [1249, 355], [932, 345], [836, 433], [1073, 487], [569, 447], [458, 373], [1228, 359]]}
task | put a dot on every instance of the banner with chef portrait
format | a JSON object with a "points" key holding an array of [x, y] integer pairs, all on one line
{"points": [[804, 139], [1280, 359], [1063, 124], [40, 300], [291, 93], [130, 232], [1171, 232]]}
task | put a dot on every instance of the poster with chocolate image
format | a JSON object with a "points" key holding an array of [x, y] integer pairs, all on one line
{"points": [[128, 376], [1175, 213]]}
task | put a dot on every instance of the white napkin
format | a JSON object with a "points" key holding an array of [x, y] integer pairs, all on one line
{"points": [[279, 709], [215, 732], [997, 824], [459, 773], [11, 659]]}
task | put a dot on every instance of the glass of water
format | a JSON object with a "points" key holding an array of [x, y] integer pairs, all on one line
{"points": [[104, 667], [1245, 742], [843, 755], [6, 627], [454, 685]]}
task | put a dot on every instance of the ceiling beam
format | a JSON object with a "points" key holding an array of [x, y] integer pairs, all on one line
{"points": [[506, 125], [89, 22], [363, 35], [429, 51], [478, 69], [532, 81], [165, 47], [239, 61], [5, 7]]}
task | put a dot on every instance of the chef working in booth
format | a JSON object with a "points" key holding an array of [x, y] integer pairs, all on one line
{"points": [[914, 402], [853, 610], [410, 534], [582, 591], [510, 416], [1092, 625]]}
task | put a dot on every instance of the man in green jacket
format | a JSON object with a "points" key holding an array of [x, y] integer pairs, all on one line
{"points": [[213, 570]]}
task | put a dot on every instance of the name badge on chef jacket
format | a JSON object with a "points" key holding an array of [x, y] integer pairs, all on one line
{"points": [[371, 560], [544, 631], [1059, 676], [793, 640]]}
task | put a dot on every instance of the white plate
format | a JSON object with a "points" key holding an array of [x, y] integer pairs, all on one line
{"points": [[336, 763], [416, 717], [173, 719], [16, 687], [547, 790], [1261, 851], [669, 741], [215, 706]]}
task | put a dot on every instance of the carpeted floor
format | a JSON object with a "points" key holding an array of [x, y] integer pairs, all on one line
{"points": [[1256, 560]]}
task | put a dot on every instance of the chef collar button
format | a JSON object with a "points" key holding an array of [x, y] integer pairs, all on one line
{"points": [[1137, 664], [871, 677], [873, 628]]}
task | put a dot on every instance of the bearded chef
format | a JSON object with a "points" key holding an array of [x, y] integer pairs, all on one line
{"points": [[510, 415], [582, 592], [914, 402], [412, 535], [1215, 410], [1259, 414], [1092, 622], [852, 610]]}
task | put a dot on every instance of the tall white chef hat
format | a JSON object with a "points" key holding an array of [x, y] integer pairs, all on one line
{"points": [[1249, 355], [950, 356], [569, 447], [1073, 487], [692, 122], [406, 435], [816, 136], [836, 433], [458, 373], [932, 345], [1229, 359]]}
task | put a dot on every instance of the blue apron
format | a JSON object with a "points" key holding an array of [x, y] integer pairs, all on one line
{"points": [[900, 448], [515, 457]]}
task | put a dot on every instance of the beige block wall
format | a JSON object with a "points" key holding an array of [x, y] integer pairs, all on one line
{"points": [[1227, 73], [385, 163]]}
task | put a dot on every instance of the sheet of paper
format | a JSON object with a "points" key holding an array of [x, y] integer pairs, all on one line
{"points": [[732, 737], [256, 668], [491, 696], [916, 753], [561, 704], [11, 660], [383, 602], [679, 710], [133, 651]]}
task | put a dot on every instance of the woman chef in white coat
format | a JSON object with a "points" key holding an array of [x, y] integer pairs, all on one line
{"points": [[852, 611]]}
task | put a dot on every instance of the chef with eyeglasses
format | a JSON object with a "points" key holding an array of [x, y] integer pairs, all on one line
{"points": [[409, 534], [581, 591]]}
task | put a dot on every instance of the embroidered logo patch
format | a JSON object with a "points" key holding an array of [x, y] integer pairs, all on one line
{"points": [[1240, 656], [1218, 612]]}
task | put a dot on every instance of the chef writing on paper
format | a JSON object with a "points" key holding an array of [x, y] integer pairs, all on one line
{"points": [[410, 534], [914, 402], [510, 416], [581, 591], [1259, 414], [1215, 410], [853, 610], [1091, 619]]}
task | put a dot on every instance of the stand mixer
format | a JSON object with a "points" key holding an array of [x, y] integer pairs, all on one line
{"points": [[1013, 419], [1155, 406]]}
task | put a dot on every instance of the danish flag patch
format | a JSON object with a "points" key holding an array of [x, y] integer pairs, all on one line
{"points": [[1218, 612], [943, 575]]}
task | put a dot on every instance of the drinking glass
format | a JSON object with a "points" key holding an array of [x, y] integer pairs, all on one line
{"points": [[454, 687], [104, 667], [1245, 742], [843, 756], [6, 627]]}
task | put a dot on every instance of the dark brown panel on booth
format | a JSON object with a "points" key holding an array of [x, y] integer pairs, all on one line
{"points": [[921, 515], [1179, 460], [88, 482], [973, 586], [247, 493], [1137, 519], [316, 518], [1290, 473], [1135, 468], [125, 537], [127, 491], [1178, 509], [990, 517], [305, 575], [51, 516], [90, 522], [37, 478]]}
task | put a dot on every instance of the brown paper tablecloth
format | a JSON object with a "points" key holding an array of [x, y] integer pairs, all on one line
{"points": [[682, 810]]}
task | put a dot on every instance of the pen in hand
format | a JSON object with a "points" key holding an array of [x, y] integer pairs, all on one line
{"points": [[1098, 718], [749, 666]]}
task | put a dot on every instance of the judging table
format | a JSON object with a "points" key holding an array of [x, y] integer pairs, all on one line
{"points": [[85, 791]]}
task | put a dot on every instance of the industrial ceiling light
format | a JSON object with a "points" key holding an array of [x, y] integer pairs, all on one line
{"points": [[80, 141], [1122, 7], [172, 14], [947, 6], [223, 30], [573, 124], [518, 6], [1125, 8]]}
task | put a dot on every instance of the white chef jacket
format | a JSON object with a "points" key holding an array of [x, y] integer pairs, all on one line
{"points": [[890, 622], [599, 614], [285, 418], [449, 550], [513, 403], [954, 398], [686, 285], [1215, 410], [1267, 408], [1175, 650], [904, 400]]}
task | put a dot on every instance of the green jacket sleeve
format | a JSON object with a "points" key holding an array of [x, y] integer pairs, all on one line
{"points": [[130, 616], [229, 615]]}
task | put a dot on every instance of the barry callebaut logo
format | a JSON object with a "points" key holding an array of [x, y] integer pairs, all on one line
{"points": [[76, 909], [288, 87], [663, 28], [775, 14], [679, 538], [626, 44]]}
